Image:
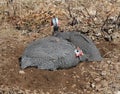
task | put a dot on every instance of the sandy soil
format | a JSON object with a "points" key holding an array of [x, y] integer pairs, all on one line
{"points": [[86, 78]]}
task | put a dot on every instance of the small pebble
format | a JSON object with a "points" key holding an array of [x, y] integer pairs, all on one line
{"points": [[21, 72]]}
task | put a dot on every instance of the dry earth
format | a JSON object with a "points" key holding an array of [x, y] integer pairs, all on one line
{"points": [[86, 78]]}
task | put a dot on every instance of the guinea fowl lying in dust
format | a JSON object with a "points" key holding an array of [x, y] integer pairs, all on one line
{"points": [[57, 52]]}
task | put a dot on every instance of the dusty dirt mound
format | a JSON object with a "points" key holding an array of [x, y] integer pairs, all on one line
{"points": [[86, 78]]}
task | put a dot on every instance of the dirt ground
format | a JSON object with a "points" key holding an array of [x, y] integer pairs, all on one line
{"points": [[86, 78]]}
